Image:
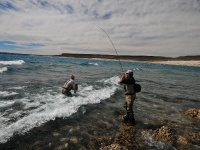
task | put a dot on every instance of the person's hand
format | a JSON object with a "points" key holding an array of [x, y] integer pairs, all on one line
{"points": [[123, 74]]}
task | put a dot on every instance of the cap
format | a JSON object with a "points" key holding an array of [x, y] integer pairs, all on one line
{"points": [[129, 72], [72, 76]]}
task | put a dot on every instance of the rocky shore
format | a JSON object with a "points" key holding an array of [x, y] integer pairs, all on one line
{"points": [[164, 135], [62, 134]]}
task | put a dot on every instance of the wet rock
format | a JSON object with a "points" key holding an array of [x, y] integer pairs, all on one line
{"points": [[56, 134], [164, 134], [192, 113], [128, 136], [66, 145], [37, 145], [64, 139], [193, 138], [99, 143], [74, 140], [113, 147], [182, 140]]}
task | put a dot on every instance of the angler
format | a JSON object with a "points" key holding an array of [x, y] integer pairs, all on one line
{"points": [[70, 85], [130, 95]]}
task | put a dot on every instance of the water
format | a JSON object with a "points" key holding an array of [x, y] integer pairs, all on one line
{"points": [[30, 90]]}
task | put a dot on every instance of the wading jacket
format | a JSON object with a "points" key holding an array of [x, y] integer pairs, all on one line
{"points": [[129, 85], [69, 85]]}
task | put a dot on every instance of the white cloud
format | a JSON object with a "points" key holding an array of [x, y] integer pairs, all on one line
{"points": [[136, 27]]}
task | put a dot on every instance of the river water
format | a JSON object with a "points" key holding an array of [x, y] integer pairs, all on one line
{"points": [[30, 92]]}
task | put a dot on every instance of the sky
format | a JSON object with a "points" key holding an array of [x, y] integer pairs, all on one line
{"points": [[135, 27]]}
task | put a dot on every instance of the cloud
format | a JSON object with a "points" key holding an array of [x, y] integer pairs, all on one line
{"points": [[136, 27]]}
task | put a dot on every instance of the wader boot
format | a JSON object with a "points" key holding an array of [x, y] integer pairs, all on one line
{"points": [[129, 118]]}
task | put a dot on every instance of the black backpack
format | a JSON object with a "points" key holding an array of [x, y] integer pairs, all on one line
{"points": [[137, 88]]}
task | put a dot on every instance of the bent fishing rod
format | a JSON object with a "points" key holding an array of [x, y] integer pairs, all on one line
{"points": [[113, 46]]}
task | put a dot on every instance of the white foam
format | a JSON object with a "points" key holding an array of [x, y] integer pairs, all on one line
{"points": [[51, 106], [95, 64], [17, 87], [4, 94], [3, 69], [14, 62]]}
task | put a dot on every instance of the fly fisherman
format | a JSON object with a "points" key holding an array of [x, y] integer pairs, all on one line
{"points": [[68, 86], [130, 95]]}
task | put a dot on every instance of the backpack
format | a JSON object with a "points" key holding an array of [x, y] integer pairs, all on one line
{"points": [[137, 88]]}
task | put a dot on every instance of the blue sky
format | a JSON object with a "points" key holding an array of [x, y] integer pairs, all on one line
{"points": [[136, 27]]}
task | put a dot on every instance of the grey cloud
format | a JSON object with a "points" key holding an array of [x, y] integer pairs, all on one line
{"points": [[135, 26]]}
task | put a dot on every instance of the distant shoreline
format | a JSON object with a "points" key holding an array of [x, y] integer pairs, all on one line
{"points": [[132, 58], [181, 60]]}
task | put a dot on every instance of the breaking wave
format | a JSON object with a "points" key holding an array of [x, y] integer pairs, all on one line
{"points": [[14, 62], [42, 108], [3, 69]]}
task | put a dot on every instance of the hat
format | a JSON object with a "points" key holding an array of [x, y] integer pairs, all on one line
{"points": [[129, 72], [72, 76]]}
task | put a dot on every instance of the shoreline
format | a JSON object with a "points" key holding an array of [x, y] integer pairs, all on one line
{"points": [[195, 63], [181, 60]]}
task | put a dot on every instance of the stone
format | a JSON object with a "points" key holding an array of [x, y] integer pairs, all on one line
{"points": [[164, 134], [192, 113], [74, 140], [56, 134], [182, 140], [64, 139]]}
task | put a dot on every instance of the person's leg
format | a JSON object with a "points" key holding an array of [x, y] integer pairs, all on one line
{"points": [[129, 109], [131, 116], [68, 93]]}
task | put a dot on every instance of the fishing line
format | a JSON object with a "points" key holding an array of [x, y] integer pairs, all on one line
{"points": [[113, 47]]}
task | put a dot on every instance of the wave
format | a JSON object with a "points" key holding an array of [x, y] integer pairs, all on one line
{"points": [[95, 64], [3, 69], [18, 87], [14, 62], [46, 107], [10, 105], [89, 64], [6, 94]]}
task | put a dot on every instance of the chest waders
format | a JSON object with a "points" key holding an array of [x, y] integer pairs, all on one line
{"points": [[129, 99], [67, 88]]}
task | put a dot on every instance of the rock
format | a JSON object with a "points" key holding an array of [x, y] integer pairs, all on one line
{"points": [[113, 147], [56, 134], [64, 139], [182, 140], [164, 134], [192, 113], [127, 136], [99, 143], [66, 145], [194, 138], [73, 140]]}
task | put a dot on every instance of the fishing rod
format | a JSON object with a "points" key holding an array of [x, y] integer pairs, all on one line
{"points": [[113, 46]]}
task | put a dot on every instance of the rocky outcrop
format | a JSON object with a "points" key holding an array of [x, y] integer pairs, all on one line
{"points": [[192, 113], [163, 133]]}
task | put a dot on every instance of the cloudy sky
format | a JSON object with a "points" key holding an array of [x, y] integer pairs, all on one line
{"points": [[136, 27]]}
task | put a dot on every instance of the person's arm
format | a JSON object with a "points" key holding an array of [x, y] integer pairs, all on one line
{"points": [[122, 77], [74, 87]]}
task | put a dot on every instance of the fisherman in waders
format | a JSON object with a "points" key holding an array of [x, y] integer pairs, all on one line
{"points": [[68, 86], [130, 95]]}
